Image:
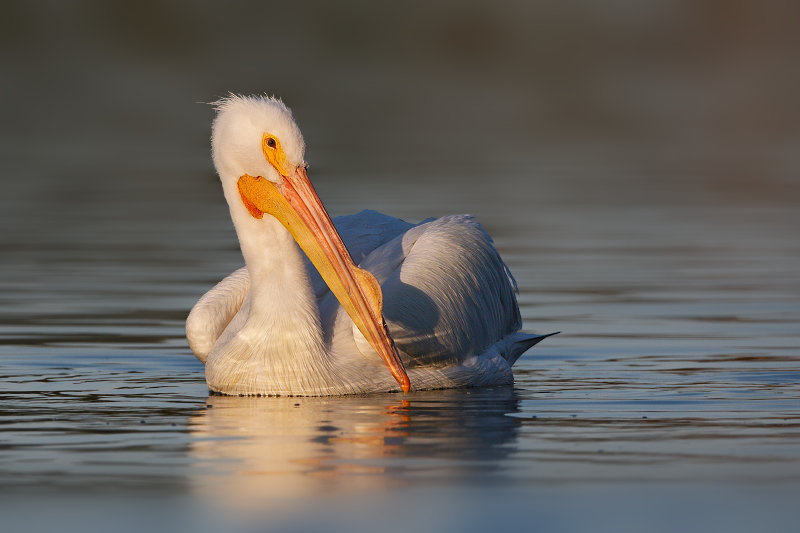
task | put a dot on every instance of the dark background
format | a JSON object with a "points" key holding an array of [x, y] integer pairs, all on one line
{"points": [[697, 100]]}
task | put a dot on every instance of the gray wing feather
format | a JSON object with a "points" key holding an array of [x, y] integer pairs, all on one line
{"points": [[361, 233], [447, 295]]}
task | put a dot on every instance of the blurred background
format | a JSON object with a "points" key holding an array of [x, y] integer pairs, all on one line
{"points": [[525, 109], [695, 99]]}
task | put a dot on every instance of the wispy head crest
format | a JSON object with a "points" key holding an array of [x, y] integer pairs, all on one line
{"points": [[233, 100], [239, 127]]}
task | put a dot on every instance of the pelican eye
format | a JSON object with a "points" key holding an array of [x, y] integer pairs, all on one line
{"points": [[271, 142]]}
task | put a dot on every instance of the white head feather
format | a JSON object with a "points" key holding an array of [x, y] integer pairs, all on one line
{"points": [[238, 130]]}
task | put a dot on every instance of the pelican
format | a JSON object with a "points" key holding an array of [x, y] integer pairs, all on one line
{"points": [[429, 306]]}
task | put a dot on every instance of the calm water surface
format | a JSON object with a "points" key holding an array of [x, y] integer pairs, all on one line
{"points": [[678, 363]]}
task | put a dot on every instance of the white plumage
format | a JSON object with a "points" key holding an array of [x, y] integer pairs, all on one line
{"points": [[275, 327]]}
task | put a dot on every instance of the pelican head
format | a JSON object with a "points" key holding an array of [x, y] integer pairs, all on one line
{"points": [[242, 127], [259, 152]]}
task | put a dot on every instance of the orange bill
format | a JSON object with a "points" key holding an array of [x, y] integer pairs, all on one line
{"points": [[296, 205]]}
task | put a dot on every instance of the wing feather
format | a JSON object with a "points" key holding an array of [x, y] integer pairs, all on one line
{"points": [[361, 233], [447, 295], [214, 311]]}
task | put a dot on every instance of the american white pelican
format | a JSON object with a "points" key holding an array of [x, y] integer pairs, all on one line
{"points": [[432, 302]]}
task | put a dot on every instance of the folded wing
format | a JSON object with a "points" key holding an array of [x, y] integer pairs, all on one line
{"points": [[447, 294]]}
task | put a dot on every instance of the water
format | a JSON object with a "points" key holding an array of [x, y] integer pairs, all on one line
{"points": [[667, 256], [678, 361]]}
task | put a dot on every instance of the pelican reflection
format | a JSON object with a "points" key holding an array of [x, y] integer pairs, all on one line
{"points": [[248, 449]]}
